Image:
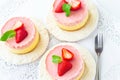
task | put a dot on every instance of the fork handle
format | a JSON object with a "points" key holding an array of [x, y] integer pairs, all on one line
{"points": [[97, 68]]}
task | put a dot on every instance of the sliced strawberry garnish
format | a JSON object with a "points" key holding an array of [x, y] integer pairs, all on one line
{"points": [[17, 25], [66, 54], [75, 4], [63, 67], [21, 34], [57, 6]]}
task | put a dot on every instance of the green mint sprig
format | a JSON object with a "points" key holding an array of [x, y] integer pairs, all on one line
{"points": [[56, 59], [8, 34], [66, 8]]}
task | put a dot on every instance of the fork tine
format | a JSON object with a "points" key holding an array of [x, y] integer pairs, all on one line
{"points": [[99, 43], [96, 41], [100, 40]]}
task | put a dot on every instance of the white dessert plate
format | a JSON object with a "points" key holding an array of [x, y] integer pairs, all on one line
{"points": [[12, 58], [82, 33], [90, 65]]}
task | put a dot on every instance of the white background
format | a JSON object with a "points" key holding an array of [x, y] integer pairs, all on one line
{"points": [[110, 62]]}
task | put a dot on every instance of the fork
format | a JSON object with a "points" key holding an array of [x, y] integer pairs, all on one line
{"points": [[98, 49]]}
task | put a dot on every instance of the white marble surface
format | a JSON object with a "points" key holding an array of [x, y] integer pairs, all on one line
{"points": [[108, 25], [112, 6]]}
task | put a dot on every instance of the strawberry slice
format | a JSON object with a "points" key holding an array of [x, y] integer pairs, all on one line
{"points": [[17, 25], [63, 67], [57, 6], [66, 54], [21, 34], [75, 4]]}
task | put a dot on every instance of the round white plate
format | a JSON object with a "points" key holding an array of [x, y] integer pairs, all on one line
{"points": [[72, 36], [12, 58], [90, 65]]}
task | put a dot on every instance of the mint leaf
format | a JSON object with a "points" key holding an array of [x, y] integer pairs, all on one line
{"points": [[66, 8], [56, 59], [7, 35]]}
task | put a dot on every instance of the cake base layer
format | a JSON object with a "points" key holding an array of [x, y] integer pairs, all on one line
{"points": [[75, 27]]}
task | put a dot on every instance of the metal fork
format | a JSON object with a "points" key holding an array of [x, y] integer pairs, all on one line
{"points": [[98, 49]]}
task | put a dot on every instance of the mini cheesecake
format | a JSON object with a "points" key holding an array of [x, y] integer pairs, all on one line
{"points": [[29, 42], [76, 20], [77, 70]]}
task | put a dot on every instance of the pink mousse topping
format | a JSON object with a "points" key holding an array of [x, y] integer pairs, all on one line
{"points": [[77, 63], [29, 27], [75, 16]]}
